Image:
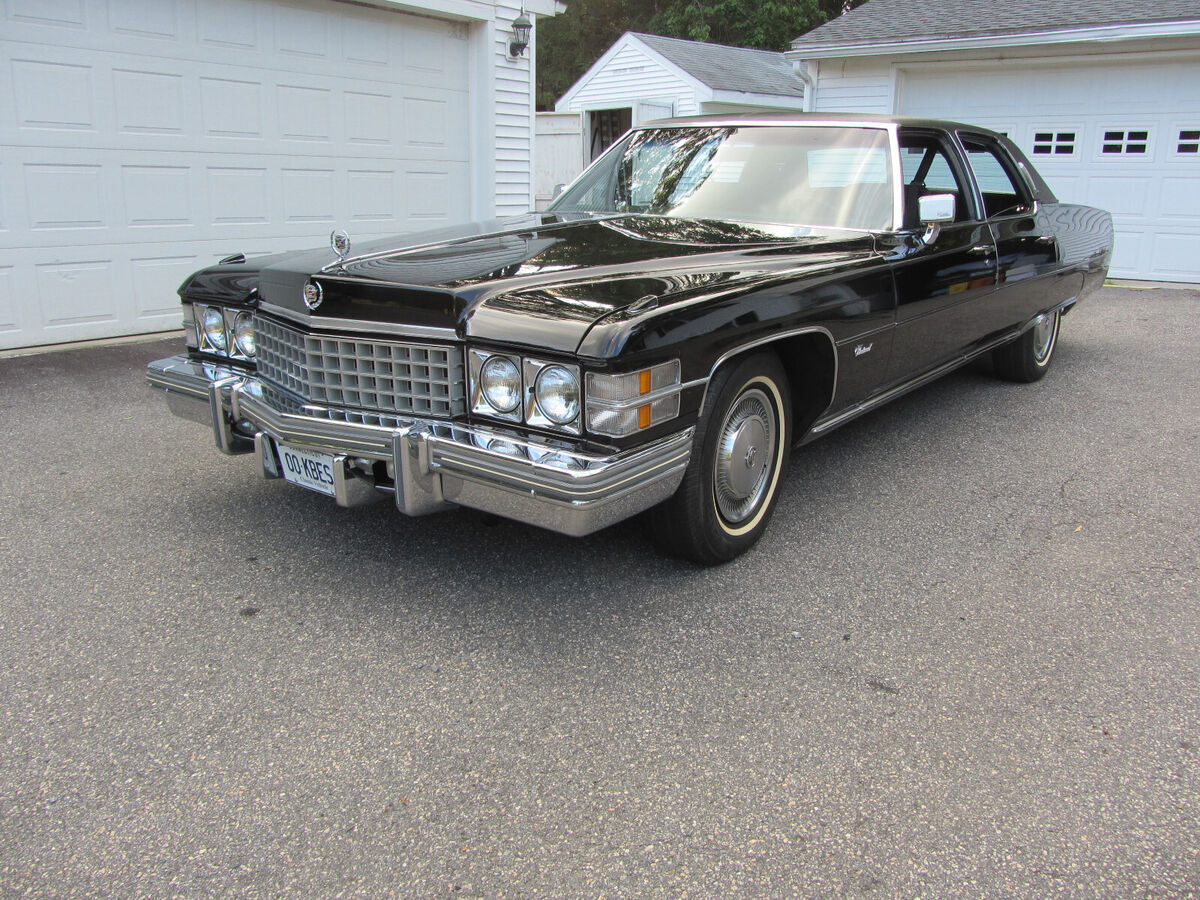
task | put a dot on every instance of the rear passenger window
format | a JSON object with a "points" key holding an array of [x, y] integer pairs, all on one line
{"points": [[1003, 193]]}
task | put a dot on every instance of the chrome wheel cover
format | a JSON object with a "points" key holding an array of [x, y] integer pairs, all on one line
{"points": [[1045, 330], [745, 456]]}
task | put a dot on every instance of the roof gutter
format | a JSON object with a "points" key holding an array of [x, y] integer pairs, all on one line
{"points": [[1101, 33]]}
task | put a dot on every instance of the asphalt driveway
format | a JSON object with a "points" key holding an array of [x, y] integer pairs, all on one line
{"points": [[963, 662]]}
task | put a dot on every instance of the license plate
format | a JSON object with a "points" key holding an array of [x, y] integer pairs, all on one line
{"points": [[307, 468]]}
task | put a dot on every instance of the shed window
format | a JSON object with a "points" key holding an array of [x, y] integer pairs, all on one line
{"points": [[1189, 141], [1127, 142], [1056, 143]]}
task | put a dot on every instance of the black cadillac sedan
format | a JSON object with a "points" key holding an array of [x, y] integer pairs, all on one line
{"points": [[707, 295]]}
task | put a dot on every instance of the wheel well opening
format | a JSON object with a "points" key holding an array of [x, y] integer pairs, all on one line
{"points": [[811, 366]]}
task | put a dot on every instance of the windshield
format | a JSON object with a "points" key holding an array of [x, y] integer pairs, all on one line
{"points": [[822, 176]]}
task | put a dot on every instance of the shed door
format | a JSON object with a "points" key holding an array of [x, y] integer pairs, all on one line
{"points": [[648, 111], [141, 141], [1121, 136]]}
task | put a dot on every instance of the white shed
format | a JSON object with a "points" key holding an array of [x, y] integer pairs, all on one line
{"points": [[143, 140], [644, 76], [1103, 95]]}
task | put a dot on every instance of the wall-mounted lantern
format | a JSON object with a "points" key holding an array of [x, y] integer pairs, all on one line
{"points": [[521, 27]]}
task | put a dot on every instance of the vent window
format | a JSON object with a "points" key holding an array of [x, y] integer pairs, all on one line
{"points": [[1054, 143], [1189, 141], [1126, 142]]}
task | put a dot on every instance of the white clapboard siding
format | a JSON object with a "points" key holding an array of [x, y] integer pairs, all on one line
{"points": [[630, 75], [513, 116], [852, 86]]}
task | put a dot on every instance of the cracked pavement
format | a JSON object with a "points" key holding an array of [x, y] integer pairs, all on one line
{"points": [[963, 661]]}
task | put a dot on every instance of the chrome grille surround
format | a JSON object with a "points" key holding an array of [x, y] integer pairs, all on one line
{"points": [[357, 373]]}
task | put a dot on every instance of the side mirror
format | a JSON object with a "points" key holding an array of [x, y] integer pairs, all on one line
{"points": [[558, 189], [933, 210], [936, 208]]}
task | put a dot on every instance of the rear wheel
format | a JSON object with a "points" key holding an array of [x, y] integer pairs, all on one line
{"points": [[1028, 357], [740, 451]]}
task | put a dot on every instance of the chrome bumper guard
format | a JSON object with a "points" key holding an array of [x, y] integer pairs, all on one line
{"points": [[433, 465]]}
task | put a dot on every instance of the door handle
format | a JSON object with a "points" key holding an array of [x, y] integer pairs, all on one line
{"points": [[982, 250]]}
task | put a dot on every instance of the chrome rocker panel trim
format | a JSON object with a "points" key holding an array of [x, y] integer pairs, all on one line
{"points": [[435, 464], [824, 425]]}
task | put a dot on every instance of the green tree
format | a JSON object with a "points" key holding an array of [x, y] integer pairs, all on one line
{"points": [[568, 44], [766, 24]]}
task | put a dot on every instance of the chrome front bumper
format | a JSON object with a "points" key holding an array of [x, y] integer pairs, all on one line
{"points": [[432, 465]]}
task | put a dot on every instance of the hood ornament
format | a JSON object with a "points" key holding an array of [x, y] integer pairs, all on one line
{"points": [[340, 242]]}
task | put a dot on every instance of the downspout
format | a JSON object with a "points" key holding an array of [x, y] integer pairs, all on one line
{"points": [[800, 67]]}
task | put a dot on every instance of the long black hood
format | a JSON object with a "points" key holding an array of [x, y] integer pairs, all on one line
{"points": [[540, 280]]}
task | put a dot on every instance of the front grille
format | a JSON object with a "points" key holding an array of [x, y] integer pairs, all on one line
{"points": [[340, 371]]}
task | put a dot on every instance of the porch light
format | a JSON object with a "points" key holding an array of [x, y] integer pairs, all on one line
{"points": [[521, 27]]}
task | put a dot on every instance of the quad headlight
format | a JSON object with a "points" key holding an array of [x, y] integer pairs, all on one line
{"points": [[243, 334], [500, 384], [539, 393], [222, 330], [212, 328], [550, 395], [556, 394]]}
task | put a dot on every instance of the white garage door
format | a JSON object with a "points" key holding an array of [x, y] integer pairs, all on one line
{"points": [[142, 139], [1122, 136]]}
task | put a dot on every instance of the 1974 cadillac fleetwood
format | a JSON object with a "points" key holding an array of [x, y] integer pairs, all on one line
{"points": [[709, 294]]}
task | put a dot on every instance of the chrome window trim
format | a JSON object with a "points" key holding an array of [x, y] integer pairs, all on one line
{"points": [[355, 326], [980, 210]]}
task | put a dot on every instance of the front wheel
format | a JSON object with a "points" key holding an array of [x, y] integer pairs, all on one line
{"points": [[1029, 356], [740, 451]]}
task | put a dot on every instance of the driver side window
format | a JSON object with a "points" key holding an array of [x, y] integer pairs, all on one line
{"points": [[926, 170]]}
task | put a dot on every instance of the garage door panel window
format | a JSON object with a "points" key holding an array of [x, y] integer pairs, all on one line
{"points": [[1055, 142], [1126, 142], [1189, 142]]}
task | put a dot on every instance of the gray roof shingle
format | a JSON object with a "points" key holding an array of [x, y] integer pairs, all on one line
{"points": [[892, 21], [725, 68]]}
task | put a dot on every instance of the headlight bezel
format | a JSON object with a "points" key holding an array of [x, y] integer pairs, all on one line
{"points": [[527, 411], [202, 331], [215, 316], [537, 413], [240, 338], [480, 402]]}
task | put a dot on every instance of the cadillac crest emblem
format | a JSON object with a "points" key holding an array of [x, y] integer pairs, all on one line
{"points": [[340, 242], [312, 295]]}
